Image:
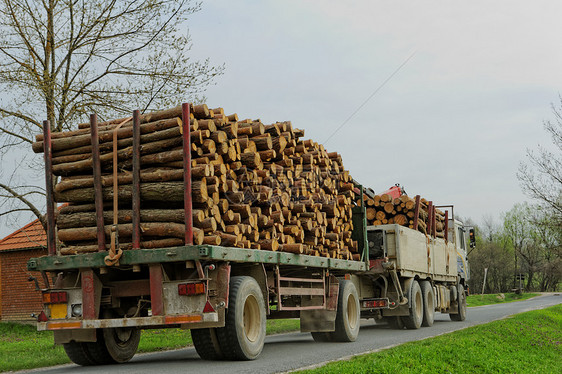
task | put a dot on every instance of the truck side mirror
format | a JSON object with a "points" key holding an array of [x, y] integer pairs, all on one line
{"points": [[472, 238]]}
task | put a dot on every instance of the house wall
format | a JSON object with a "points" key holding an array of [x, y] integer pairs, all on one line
{"points": [[18, 297]]}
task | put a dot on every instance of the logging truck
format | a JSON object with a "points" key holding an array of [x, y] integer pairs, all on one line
{"points": [[225, 295], [334, 266]]}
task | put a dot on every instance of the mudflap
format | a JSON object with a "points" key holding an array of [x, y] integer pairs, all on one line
{"points": [[318, 320], [322, 320], [78, 335]]}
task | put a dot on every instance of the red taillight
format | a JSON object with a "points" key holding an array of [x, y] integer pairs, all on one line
{"points": [[208, 308], [379, 303], [42, 317], [190, 289], [55, 297]]}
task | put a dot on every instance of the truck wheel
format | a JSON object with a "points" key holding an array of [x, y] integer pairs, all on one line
{"points": [[348, 315], [243, 334], [428, 303], [98, 350], [415, 318], [121, 343], [78, 353], [321, 337], [206, 344], [461, 305]]}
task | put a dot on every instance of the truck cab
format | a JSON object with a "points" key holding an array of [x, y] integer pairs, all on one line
{"points": [[463, 238]]}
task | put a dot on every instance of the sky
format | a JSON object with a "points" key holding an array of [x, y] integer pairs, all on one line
{"points": [[443, 97]]}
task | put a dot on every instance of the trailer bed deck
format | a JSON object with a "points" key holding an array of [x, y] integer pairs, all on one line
{"points": [[189, 253]]}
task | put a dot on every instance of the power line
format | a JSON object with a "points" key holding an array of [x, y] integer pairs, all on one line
{"points": [[371, 96]]}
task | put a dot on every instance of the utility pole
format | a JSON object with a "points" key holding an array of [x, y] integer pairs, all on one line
{"points": [[484, 283]]}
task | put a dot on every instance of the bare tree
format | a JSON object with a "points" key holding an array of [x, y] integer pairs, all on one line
{"points": [[541, 175], [63, 59]]}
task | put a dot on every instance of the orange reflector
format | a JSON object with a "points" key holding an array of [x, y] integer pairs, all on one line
{"points": [[63, 325], [182, 319]]}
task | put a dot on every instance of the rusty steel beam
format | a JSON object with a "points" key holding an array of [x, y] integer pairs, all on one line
{"points": [[430, 218], [446, 226], [47, 153], [156, 296], [98, 197], [186, 120], [417, 212], [136, 180], [88, 294]]}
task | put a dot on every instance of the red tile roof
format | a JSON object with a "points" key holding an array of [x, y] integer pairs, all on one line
{"points": [[31, 235]]}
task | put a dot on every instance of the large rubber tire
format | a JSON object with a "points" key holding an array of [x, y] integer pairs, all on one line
{"points": [[207, 344], [78, 353], [348, 315], [98, 350], [428, 303], [461, 305], [121, 343], [322, 337], [415, 317], [243, 334]]}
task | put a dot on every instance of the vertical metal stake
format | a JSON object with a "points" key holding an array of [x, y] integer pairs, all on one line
{"points": [[51, 238], [136, 180], [98, 196], [186, 135]]}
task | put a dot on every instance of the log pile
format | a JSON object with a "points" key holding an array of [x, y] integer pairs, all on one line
{"points": [[384, 209], [253, 185]]}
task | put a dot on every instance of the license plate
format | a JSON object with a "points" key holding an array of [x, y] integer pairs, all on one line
{"points": [[58, 311]]}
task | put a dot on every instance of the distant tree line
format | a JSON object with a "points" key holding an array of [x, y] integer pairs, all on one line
{"points": [[529, 240], [525, 245]]}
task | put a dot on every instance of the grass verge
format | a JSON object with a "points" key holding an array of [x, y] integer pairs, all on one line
{"points": [[487, 299], [23, 347], [525, 343]]}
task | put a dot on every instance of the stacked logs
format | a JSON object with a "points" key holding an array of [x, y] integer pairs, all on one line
{"points": [[384, 209], [253, 185]]}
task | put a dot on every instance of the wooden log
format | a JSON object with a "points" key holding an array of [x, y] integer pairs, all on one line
{"points": [[85, 139], [88, 218], [147, 244], [228, 240], [292, 248], [154, 175], [157, 229], [269, 244], [160, 192]]}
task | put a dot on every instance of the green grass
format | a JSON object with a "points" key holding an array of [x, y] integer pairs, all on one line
{"points": [[22, 347], [487, 299], [525, 343]]}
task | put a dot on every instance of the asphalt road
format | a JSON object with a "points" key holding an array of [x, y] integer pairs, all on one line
{"points": [[285, 352]]}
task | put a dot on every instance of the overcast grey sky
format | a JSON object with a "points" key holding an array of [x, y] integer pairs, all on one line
{"points": [[452, 124]]}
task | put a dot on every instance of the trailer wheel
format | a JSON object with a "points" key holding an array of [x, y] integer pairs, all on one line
{"points": [[348, 315], [415, 318], [98, 350], [78, 353], [121, 343], [243, 334], [321, 337], [461, 305], [428, 303], [207, 344]]}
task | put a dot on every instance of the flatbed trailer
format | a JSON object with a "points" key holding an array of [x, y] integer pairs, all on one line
{"points": [[224, 295]]}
